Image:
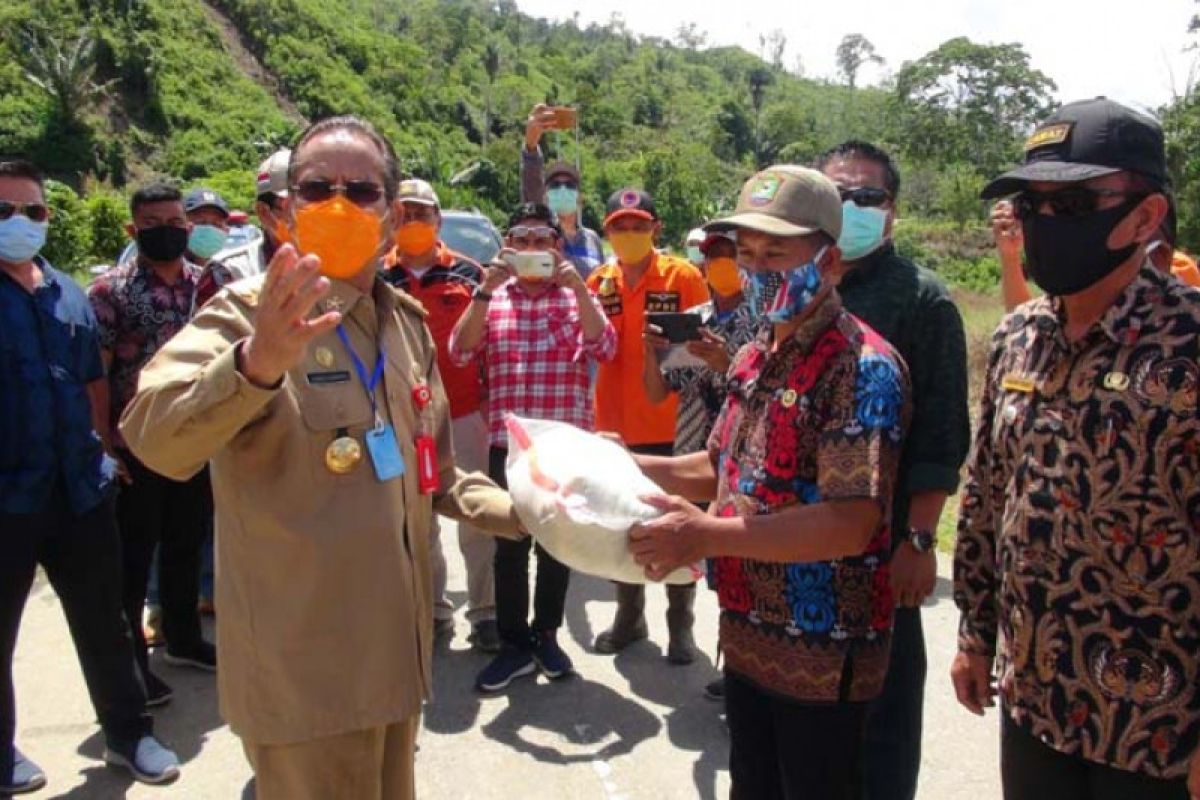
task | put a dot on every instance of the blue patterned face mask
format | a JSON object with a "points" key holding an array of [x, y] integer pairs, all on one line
{"points": [[783, 296]]}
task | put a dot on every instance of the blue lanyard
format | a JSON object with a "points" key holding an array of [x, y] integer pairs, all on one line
{"points": [[361, 369]]}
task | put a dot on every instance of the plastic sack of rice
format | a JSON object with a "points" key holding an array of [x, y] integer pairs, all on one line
{"points": [[577, 494]]}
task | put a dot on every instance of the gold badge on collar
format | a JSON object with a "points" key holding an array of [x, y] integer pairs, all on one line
{"points": [[1116, 381], [1014, 382], [789, 398], [324, 357]]}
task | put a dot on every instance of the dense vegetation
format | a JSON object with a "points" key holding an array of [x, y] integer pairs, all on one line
{"points": [[105, 93]]}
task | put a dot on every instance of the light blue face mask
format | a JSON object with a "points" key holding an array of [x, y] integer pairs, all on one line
{"points": [[21, 238], [205, 241], [694, 255], [783, 296], [862, 230], [563, 200]]}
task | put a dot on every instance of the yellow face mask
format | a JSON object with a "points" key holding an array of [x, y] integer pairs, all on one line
{"points": [[345, 237], [723, 276], [631, 246]]}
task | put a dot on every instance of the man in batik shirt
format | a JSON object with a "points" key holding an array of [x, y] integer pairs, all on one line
{"points": [[1078, 565], [801, 467]]}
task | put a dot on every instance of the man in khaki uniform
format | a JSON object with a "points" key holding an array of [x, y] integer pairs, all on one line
{"points": [[324, 582]]}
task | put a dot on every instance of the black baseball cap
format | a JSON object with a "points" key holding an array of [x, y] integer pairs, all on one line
{"points": [[630, 202], [1084, 140], [204, 198]]}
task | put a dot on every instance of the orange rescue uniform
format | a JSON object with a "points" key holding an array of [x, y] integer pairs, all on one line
{"points": [[669, 284]]}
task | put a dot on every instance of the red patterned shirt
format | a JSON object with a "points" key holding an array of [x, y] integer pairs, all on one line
{"points": [[535, 358], [138, 314], [820, 419]]}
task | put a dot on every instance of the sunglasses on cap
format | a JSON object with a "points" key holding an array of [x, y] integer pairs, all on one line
{"points": [[1073, 201], [37, 212], [361, 193], [865, 196]]}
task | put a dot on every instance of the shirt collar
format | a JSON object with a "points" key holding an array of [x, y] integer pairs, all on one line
{"points": [[869, 266], [190, 274], [810, 330], [1122, 323]]}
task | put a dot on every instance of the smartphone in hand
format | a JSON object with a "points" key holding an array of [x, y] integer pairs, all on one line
{"points": [[677, 327]]}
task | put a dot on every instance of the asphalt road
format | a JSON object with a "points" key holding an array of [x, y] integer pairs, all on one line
{"points": [[624, 728]]}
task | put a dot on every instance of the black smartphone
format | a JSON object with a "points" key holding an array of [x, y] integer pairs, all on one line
{"points": [[677, 327]]}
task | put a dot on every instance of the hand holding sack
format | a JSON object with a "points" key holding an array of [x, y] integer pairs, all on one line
{"points": [[578, 495]]}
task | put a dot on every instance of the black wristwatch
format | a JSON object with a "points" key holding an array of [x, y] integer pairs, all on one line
{"points": [[480, 294], [922, 540]]}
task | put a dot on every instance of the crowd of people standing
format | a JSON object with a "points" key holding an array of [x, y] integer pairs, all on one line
{"points": [[321, 416]]}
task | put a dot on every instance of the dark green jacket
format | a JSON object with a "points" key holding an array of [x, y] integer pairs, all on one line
{"points": [[912, 309]]}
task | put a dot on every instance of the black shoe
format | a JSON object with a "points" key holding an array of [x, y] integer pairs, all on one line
{"points": [[715, 690], [201, 655], [158, 693], [550, 658], [512, 663], [443, 630], [485, 636]]}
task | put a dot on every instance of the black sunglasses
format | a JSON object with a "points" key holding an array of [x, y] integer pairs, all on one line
{"points": [[38, 212], [361, 193], [1072, 201], [865, 196]]}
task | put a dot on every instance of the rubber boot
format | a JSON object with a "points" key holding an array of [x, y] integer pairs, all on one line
{"points": [[681, 649], [629, 625]]}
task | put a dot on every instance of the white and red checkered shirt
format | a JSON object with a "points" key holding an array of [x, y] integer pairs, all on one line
{"points": [[536, 358]]}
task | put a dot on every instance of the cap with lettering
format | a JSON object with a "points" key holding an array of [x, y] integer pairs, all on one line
{"points": [[272, 175], [415, 190], [630, 202], [1084, 140], [204, 198], [786, 200]]}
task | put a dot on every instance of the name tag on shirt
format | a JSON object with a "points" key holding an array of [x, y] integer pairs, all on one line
{"points": [[385, 453], [323, 378], [662, 301], [1014, 382]]}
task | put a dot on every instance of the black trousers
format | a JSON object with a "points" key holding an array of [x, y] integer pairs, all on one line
{"points": [[82, 558], [1030, 770], [780, 750], [892, 760], [511, 566], [154, 510]]}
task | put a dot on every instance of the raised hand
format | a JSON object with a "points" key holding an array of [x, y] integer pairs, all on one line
{"points": [[282, 330], [541, 119]]}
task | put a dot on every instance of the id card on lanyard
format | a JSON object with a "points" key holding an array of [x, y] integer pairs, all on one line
{"points": [[381, 441]]}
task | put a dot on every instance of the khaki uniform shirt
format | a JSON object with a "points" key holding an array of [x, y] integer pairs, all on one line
{"points": [[324, 582]]}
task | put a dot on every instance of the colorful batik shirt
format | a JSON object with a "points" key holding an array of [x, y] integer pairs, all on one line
{"points": [[1078, 563], [821, 419]]}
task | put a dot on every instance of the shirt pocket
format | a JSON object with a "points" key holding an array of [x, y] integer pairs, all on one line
{"points": [[330, 411]]}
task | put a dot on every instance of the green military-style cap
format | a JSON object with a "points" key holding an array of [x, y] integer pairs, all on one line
{"points": [[786, 200]]}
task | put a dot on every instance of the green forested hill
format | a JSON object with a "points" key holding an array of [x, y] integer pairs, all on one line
{"points": [[195, 88], [105, 93]]}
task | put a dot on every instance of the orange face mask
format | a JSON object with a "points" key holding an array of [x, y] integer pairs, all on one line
{"points": [[416, 238], [282, 234], [723, 276], [345, 237]]}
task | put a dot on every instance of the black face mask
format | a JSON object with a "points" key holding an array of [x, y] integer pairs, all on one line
{"points": [[1065, 255], [162, 243]]}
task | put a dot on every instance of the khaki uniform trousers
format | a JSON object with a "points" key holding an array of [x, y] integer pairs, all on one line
{"points": [[470, 434], [372, 764]]}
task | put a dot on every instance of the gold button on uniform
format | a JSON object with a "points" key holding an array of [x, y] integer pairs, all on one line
{"points": [[324, 357], [343, 455]]}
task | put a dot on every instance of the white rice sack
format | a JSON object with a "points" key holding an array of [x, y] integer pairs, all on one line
{"points": [[577, 494]]}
